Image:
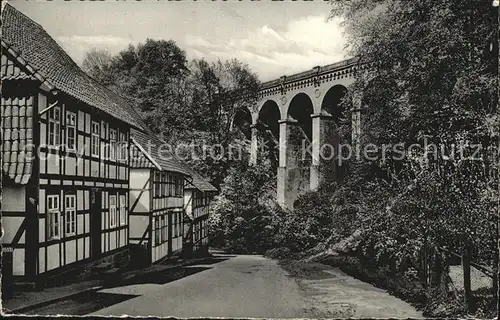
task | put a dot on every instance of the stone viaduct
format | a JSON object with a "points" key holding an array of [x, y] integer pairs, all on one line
{"points": [[299, 116]]}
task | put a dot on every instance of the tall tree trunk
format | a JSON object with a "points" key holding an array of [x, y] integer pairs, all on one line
{"points": [[437, 269], [468, 298], [496, 272], [496, 261], [422, 274], [426, 264], [445, 281]]}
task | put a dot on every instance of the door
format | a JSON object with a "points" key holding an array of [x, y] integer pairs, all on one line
{"points": [[95, 222], [187, 236], [170, 231], [7, 272]]}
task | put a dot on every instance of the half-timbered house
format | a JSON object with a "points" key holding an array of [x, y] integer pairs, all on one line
{"points": [[64, 151], [156, 199], [198, 195]]}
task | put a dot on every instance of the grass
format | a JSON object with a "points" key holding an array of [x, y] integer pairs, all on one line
{"points": [[305, 270], [431, 303]]}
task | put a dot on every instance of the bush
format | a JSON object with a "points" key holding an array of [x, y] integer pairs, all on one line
{"points": [[281, 253], [307, 225], [241, 216], [381, 276], [319, 219]]}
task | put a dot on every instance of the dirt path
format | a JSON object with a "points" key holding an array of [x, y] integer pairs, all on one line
{"points": [[331, 293]]}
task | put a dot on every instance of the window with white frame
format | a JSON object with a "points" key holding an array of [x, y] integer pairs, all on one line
{"points": [[96, 138], [112, 211], [202, 227], [53, 217], [164, 228], [104, 145], [180, 223], [180, 182], [54, 126], [196, 232], [103, 129], [205, 228], [123, 147], [176, 187], [70, 130], [122, 206], [112, 144], [162, 185], [177, 222], [169, 185], [157, 184], [174, 225], [157, 230], [172, 185], [70, 214]]}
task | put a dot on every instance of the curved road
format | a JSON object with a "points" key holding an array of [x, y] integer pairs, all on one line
{"points": [[254, 286], [242, 286]]}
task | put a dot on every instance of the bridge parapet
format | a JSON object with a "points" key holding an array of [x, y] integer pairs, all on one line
{"points": [[313, 77]]}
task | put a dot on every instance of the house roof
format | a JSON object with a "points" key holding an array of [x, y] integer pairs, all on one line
{"points": [[10, 71], [148, 151], [36, 50], [200, 183]]}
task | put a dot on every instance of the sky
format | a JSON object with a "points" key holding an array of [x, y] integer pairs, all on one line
{"points": [[274, 38]]}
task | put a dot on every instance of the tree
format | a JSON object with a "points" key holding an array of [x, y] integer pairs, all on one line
{"points": [[183, 103], [442, 57], [152, 73], [216, 92], [242, 214], [98, 64], [223, 88]]}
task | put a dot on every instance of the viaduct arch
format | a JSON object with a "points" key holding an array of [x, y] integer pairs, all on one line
{"points": [[299, 116]]}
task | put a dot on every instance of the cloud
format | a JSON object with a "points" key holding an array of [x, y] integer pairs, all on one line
{"points": [[77, 45], [301, 45], [270, 52]]}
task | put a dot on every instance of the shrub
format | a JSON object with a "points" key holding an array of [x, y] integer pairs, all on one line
{"points": [[241, 216], [279, 253]]}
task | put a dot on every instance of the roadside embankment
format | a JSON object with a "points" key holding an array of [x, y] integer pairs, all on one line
{"points": [[331, 293], [320, 274]]}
